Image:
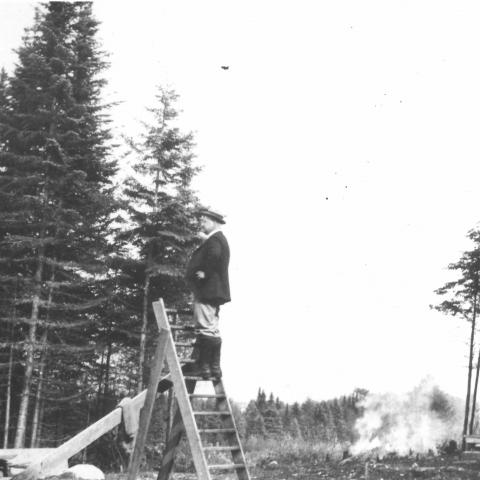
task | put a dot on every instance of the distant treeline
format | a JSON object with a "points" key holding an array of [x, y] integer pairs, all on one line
{"points": [[330, 421]]}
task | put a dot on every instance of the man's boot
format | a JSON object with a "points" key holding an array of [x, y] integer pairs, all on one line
{"points": [[216, 343], [205, 352], [201, 368]]}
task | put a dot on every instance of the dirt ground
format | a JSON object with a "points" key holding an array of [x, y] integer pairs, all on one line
{"points": [[447, 467], [452, 467]]}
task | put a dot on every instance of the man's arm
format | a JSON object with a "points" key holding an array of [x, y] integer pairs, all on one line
{"points": [[213, 255]]}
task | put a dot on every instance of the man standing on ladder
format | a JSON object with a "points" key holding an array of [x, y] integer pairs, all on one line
{"points": [[207, 277]]}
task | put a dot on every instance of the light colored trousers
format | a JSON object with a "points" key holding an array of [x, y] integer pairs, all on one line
{"points": [[206, 318]]}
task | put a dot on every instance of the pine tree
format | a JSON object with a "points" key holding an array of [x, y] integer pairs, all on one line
{"points": [[272, 421], [462, 300], [56, 196], [162, 211], [254, 422], [338, 413], [3, 90], [261, 401], [307, 409]]}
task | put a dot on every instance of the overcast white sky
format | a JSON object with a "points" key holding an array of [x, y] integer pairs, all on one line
{"points": [[343, 145]]}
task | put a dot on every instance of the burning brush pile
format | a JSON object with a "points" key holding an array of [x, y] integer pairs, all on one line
{"points": [[399, 437], [417, 423]]}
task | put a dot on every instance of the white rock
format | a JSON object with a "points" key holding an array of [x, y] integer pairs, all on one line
{"points": [[85, 471]]}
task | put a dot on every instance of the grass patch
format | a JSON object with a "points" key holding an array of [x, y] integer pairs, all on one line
{"points": [[261, 451]]}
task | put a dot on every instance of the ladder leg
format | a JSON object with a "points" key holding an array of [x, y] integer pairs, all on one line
{"points": [[174, 438], [146, 412], [237, 455]]}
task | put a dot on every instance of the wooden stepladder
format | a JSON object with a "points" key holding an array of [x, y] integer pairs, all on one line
{"points": [[206, 419]]}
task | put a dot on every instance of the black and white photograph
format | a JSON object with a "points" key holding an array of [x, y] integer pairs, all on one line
{"points": [[239, 240]]}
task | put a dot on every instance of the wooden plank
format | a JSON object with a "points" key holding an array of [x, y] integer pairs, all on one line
{"points": [[8, 453], [147, 409], [78, 442], [160, 315], [72, 446]]}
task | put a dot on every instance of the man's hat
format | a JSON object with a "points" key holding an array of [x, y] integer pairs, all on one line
{"points": [[207, 212]]}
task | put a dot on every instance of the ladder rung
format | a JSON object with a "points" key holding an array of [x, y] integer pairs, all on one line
{"points": [[227, 466], [206, 395], [180, 311], [214, 448], [187, 360], [184, 344], [212, 412], [216, 430], [188, 328]]}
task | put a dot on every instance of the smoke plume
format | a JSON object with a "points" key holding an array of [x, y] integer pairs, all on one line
{"points": [[418, 421]]}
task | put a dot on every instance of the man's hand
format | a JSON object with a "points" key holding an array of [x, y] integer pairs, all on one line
{"points": [[200, 275]]}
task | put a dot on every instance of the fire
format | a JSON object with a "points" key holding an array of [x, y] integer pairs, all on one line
{"points": [[416, 422]]}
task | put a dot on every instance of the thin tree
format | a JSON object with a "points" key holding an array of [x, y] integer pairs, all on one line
{"points": [[462, 300]]}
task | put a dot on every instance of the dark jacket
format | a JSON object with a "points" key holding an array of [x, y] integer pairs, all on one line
{"points": [[212, 258]]}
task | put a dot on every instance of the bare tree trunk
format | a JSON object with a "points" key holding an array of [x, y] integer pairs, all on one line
{"points": [[43, 360], [474, 399], [107, 371], [143, 332], [30, 355], [38, 395], [8, 402], [98, 407], [470, 368], [8, 399], [39, 442]]}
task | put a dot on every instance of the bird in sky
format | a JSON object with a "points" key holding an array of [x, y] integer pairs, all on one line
{"points": [[224, 67]]}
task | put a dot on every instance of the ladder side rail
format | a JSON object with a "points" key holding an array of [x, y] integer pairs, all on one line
{"points": [[170, 399], [176, 433], [238, 456], [147, 409], [182, 396]]}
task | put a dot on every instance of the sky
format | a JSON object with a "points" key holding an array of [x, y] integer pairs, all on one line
{"points": [[342, 144]]}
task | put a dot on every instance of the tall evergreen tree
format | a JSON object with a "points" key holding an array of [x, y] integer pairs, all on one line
{"points": [[162, 213], [261, 401], [462, 300], [55, 192]]}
